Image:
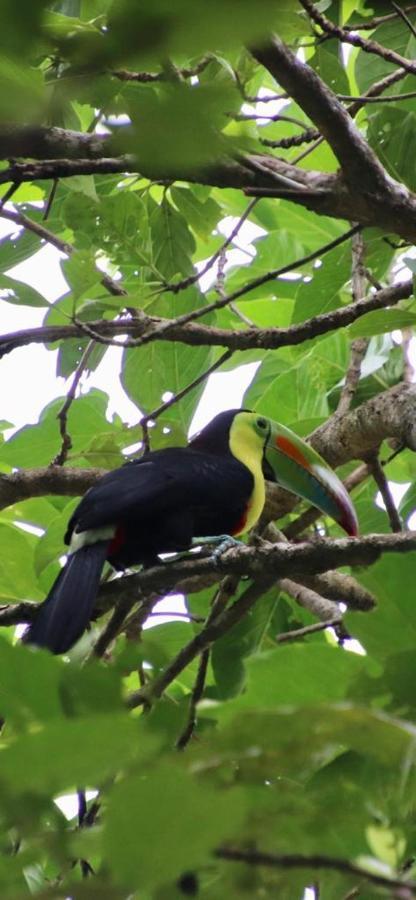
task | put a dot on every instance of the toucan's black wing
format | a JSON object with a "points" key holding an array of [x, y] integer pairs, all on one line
{"points": [[160, 482]]}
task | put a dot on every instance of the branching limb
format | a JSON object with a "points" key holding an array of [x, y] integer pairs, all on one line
{"points": [[359, 163], [201, 642], [265, 564], [114, 625], [367, 45]]}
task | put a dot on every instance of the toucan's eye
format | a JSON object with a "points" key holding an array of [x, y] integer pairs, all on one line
{"points": [[262, 423]]}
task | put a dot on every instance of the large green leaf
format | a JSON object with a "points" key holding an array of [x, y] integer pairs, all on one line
{"points": [[149, 806], [17, 573], [154, 369], [321, 293], [37, 445]]}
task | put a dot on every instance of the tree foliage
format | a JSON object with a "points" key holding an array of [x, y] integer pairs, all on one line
{"points": [[243, 750]]}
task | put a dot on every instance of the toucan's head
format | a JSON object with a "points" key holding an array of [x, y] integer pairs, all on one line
{"points": [[285, 459]]}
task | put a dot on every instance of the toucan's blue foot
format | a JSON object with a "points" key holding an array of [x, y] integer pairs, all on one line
{"points": [[224, 542]]}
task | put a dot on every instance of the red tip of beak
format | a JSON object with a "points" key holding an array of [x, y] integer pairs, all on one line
{"points": [[349, 523]]}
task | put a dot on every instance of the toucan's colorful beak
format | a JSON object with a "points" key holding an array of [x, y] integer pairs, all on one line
{"points": [[300, 469]]}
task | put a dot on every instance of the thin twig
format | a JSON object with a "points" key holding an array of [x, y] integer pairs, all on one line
{"points": [[360, 345], [152, 416], [325, 610], [202, 641], [196, 696], [299, 633], [114, 625], [402, 13], [311, 861], [380, 479], [363, 99], [51, 198], [371, 24], [373, 93], [226, 589], [272, 275], [150, 77], [368, 46], [63, 246], [192, 279], [296, 140], [162, 328], [62, 415], [9, 193]]}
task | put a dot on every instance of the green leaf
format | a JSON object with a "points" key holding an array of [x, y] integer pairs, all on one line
{"points": [[29, 685], [37, 445], [16, 248], [172, 241], [392, 133], [15, 291], [393, 34], [381, 322], [391, 627], [17, 581], [65, 754], [165, 797], [230, 651], [153, 369], [164, 34], [80, 272], [298, 674], [320, 294], [201, 216]]}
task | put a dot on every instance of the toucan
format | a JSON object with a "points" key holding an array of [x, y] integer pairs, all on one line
{"points": [[167, 499]]}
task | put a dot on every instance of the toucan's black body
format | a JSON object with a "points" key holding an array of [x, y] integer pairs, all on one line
{"points": [[155, 504], [162, 501]]}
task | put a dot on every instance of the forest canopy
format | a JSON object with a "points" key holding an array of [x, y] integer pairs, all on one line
{"points": [[242, 748]]}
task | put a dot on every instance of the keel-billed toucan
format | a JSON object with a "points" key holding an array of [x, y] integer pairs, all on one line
{"points": [[162, 501]]}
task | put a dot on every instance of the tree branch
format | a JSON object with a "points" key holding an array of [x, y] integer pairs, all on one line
{"points": [[265, 563], [384, 203], [359, 164], [315, 861], [151, 327], [367, 45]]}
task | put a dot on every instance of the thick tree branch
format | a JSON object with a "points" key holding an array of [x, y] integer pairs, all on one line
{"points": [[359, 163], [384, 203], [27, 483]]}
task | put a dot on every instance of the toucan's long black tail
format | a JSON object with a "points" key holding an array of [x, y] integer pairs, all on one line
{"points": [[65, 614]]}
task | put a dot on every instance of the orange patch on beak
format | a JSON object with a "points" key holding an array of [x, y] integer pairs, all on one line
{"points": [[289, 449]]}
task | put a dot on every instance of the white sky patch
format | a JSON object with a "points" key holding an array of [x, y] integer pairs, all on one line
{"points": [[167, 610], [68, 803]]}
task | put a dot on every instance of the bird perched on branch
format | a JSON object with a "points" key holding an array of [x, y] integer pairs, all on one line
{"points": [[167, 499]]}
